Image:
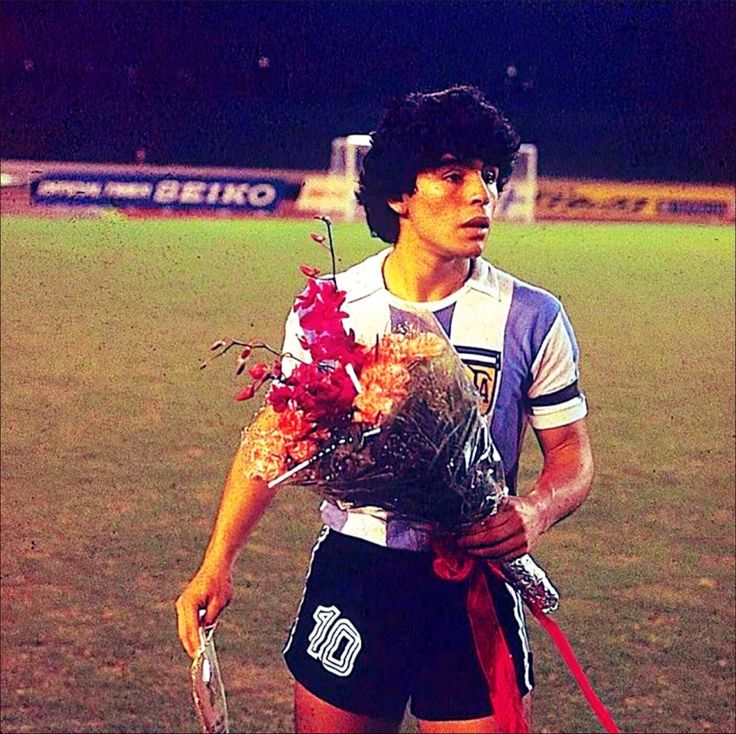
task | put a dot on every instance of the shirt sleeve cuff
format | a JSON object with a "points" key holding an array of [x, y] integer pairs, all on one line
{"points": [[562, 414]]}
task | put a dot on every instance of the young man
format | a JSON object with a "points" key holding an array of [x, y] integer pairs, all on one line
{"points": [[376, 627]]}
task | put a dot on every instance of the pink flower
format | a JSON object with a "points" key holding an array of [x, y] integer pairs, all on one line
{"points": [[342, 348], [309, 271], [258, 371], [327, 317], [247, 393], [279, 397], [318, 307], [308, 297], [324, 394]]}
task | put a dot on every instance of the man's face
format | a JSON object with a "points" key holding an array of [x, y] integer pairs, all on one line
{"points": [[450, 212]]}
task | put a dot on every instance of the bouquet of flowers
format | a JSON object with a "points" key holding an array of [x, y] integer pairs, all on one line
{"points": [[394, 425]]}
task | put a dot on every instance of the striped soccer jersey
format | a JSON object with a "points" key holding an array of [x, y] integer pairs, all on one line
{"points": [[514, 338]]}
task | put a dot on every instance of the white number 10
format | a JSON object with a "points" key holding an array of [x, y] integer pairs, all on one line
{"points": [[328, 636]]}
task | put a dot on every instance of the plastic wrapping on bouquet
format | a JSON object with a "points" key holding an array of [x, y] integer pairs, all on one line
{"points": [[431, 461], [532, 582], [208, 690]]}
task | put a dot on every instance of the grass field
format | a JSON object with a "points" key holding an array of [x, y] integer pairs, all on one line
{"points": [[115, 446]]}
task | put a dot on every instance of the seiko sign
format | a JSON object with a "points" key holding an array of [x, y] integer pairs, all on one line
{"points": [[159, 191], [254, 195]]}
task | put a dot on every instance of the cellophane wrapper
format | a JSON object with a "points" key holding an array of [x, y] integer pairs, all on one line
{"points": [[208, 690], [430, 462]]}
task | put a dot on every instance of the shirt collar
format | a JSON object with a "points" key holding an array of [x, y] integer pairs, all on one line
{"points": [[482, 278]]}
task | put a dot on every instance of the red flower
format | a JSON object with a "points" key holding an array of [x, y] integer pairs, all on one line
{"points": [[279, 397], [321, 318], [308, 297], [324, 393], [342, 348], [309, 271], [247, 393], [318, 307], [327, 318], [320, 239], [258, 371]]}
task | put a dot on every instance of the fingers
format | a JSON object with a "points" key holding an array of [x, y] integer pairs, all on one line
{"points": [[495, 543], [187, 622], [204, 594], [503, 537], [491, 525], [506, 550], [493, 533], [215, 606]]}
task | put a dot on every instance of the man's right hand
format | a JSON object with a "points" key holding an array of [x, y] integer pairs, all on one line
{"points": [[208, 590]]}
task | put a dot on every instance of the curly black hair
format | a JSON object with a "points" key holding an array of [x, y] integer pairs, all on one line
{"points": [[412, 136]]}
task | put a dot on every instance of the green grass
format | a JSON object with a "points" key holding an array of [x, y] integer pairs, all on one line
{"points": [[115, 446]]}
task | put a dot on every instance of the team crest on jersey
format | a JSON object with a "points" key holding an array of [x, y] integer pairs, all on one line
{"points": [[484, 366]]}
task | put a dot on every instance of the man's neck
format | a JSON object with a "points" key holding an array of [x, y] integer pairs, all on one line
{"points": [[421, 277]]}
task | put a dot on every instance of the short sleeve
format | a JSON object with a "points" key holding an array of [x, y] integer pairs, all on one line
{"points": [[555, 398]]}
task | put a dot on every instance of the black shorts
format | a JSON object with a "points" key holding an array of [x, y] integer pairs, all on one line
{"points": [[376, 627]]}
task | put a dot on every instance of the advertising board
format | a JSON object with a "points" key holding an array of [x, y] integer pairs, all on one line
{"points": [[147, 191], [157, 190], [633, 202]]}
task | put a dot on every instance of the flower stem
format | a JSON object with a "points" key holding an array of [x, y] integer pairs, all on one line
{"points": [[328, 224], [227, 344]]}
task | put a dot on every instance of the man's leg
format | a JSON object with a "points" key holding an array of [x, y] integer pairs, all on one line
{"points": [[312, 715], [485, 725]]}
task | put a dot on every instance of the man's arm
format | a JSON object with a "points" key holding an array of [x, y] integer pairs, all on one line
{"points": [[242, 504], [562, 486]]}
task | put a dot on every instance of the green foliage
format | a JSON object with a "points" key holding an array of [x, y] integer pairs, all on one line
{"points": [[115, 446]]}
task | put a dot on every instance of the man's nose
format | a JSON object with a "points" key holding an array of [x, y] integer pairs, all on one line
{"points": [[480, 191]]}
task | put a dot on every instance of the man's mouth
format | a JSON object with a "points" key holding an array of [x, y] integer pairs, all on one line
{"points": [[478, 223]]}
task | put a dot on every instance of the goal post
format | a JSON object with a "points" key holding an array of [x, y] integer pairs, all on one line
{"points": [[519, 197], [516, 203], [346, 159]]}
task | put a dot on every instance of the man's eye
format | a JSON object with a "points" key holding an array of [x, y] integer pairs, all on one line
{"points": [[453, 176], [490, 177]]}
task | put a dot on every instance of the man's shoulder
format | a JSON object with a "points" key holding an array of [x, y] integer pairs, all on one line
{"points": [[363, 278], [508, 288], [528, 296]]}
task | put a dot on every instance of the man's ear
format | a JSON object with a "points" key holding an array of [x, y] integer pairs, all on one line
{"points": [[398, 205]]}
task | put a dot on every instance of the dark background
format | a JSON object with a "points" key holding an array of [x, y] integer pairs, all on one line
{"points": [[637, 90]]}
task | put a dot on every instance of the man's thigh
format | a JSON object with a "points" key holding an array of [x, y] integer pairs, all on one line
{"points": [[484, 725], [312, 715]]}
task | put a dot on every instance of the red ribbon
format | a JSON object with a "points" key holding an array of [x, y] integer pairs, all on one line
{"points": [[493, 652]]}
